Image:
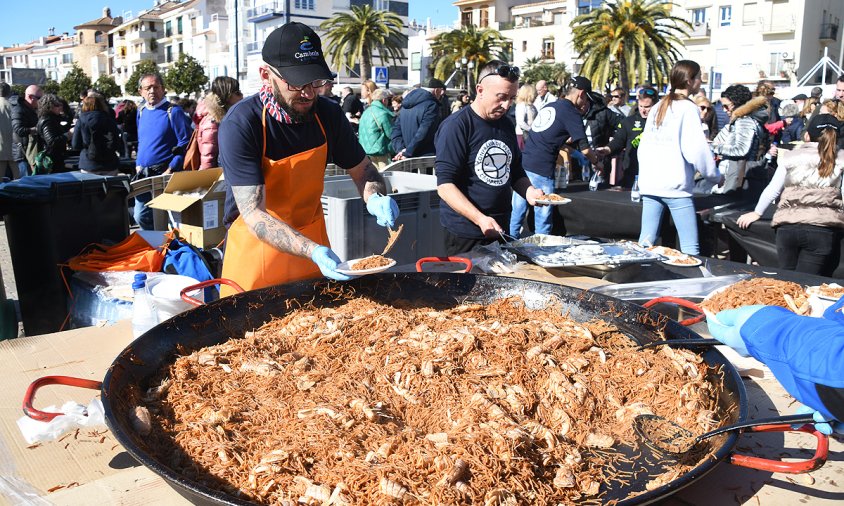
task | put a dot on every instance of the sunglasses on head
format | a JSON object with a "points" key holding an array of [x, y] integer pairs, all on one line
{"points": [[508, 72], [647, 92]]}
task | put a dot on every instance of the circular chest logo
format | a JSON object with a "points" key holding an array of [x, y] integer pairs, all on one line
{"points": [[492, 164], [544, 119]]}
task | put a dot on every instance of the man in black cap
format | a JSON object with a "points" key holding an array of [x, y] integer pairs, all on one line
{"points": [[273, 149], [413, 135], [558, 127]]}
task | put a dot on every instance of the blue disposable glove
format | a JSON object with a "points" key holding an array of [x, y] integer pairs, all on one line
{"points": [[327, 262], [385, 209], [580, 157], [726, 327], [822, 424]]}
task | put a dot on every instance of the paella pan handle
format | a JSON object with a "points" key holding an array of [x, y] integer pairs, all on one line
{"points": [[778, 466], [460, 260], [680, 302], [29, 397], [205, 284]]}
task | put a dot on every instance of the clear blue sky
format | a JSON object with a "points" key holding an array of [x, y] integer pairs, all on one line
{"points": [[27, 20]]}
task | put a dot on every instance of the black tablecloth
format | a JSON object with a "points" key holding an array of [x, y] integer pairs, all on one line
{"points": [[612, 215]]}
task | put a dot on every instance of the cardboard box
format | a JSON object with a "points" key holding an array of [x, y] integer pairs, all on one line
{"points": [[199, 215]]}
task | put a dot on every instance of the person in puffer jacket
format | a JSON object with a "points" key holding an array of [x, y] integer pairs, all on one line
{"points": [[738, 142], [225, 92]]}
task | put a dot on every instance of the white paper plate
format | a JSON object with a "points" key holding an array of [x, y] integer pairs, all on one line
{"points": [[553, 202], [346, 267], [674, 261], [815, 290]]}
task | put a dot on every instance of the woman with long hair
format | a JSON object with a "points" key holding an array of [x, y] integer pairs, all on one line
{"points": [[97, 137], [225, 92], [742, 140], [810, 216], [52, 137], [672, 148], [525, 112]]}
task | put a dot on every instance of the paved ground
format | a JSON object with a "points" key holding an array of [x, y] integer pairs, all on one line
{"points": [[9, 285]]}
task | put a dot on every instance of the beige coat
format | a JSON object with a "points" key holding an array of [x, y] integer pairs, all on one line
{"points": [[5, 130]]}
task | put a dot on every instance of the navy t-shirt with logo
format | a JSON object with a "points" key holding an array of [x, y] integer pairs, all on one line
{"points": [[554, 125], [482, 159]]}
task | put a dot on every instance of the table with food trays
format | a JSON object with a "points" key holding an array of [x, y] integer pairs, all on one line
{"points": [[95, 464]]}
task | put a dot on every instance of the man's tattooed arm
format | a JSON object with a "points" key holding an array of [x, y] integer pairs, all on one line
{"points": [[251, 203], [367, 179]]}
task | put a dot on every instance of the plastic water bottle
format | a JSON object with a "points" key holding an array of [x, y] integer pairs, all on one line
{"points": [[635, 196], [144, 315], [594, 181], [562, 176]]}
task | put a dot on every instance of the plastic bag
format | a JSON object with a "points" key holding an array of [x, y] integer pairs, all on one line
{"points": [[75, 415]]}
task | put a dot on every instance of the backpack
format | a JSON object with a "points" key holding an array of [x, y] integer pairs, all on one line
{"points": [[103, 145]]}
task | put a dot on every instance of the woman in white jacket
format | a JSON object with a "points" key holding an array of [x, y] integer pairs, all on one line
{"points": [[672, 148]]}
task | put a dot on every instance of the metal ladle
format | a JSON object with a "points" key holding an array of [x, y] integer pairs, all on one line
{"points": [[666, 436]]}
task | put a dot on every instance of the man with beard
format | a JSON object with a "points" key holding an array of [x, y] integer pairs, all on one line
{"points": [[479, 163], [273, 149], [627, 135]]}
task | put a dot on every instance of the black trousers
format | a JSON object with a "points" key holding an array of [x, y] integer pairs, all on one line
{"points": [[808, 248], [454, 245]]}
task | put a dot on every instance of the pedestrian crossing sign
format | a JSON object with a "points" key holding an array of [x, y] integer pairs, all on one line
{"points": [[381, 75]]}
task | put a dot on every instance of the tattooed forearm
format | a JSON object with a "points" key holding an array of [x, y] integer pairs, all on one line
{"points": [[367, 179], [251, 204]]}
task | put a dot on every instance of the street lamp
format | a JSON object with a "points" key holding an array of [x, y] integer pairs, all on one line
{"points": [[470, 66], [464, 62]]}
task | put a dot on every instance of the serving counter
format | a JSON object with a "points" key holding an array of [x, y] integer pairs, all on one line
{"points": [[88, 466]]}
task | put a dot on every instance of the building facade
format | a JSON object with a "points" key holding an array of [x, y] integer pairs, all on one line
{"points": [[92, 42], [253, 20]]}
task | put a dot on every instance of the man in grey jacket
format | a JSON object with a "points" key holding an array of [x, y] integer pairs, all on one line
{"points": [[24, 120], [8, 167]]}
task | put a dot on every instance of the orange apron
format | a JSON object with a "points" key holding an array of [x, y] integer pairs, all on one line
{"points": [[293, 191]]}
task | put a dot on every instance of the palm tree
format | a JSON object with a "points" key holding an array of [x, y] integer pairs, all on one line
{"points": [[639, 36], [354, 37], [477, 46]]}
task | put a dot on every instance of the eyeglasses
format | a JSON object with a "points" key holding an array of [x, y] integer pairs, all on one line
{"points": [[319, 83], [615, 96], [704, 108], [508, 72], [149, 88], [34, 97]]}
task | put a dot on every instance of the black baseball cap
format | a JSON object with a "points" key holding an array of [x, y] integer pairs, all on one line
{"points": [[820, 123], [800, 96], [581, 83], [434, 84], [295, 50]]}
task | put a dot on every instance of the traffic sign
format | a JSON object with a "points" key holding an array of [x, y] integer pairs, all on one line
{"points": [[382, 75]]}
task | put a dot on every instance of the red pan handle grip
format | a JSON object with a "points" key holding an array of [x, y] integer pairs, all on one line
{"points": [[29, 396], [778, 466], [680, 302], [205, 284], [460, 260]]}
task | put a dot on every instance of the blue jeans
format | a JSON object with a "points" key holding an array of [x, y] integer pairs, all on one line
{"points": [[682, 212], [143, 214], [23, 168], [542, 216]]}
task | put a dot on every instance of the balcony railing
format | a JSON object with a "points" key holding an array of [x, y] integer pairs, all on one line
{"points": [[699, 31], [829, 32], [265, 11], [524, 23], [777, 25]]}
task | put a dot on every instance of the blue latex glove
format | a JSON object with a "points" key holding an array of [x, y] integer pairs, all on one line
{"points": [[728, 326], [327, 262], [580, 157], [385, 209], [822, 425]]}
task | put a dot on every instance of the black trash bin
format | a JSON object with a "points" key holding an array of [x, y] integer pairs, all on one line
{"points": [[50, 219]]}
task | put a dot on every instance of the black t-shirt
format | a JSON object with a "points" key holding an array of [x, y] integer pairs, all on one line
{"points": [[482, 159], [241, 143], [554, 125]]}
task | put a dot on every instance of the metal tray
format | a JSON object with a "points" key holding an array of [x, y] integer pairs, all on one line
{"points": [[573, 255], [690, 288]]}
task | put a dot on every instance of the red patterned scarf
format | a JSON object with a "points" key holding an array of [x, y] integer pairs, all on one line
{"points": [[275, 110]]}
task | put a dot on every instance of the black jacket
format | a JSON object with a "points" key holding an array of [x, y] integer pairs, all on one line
{"points": [[98, 139], [52, 140], [626, 137], [416, 125], [600, 121], [24, 120]]}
